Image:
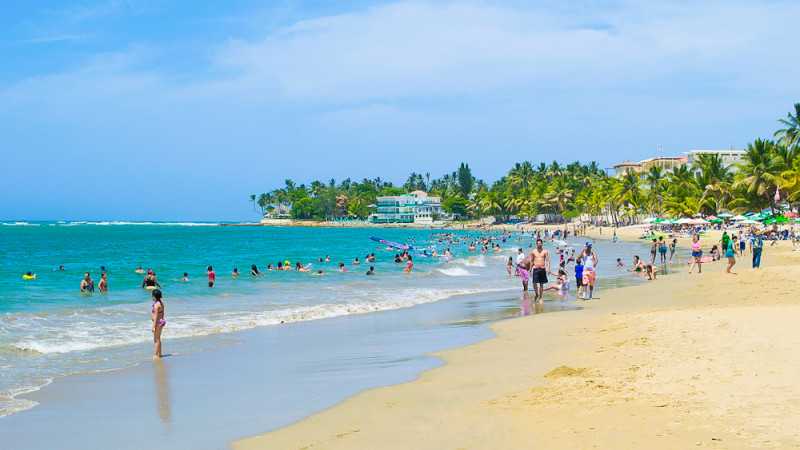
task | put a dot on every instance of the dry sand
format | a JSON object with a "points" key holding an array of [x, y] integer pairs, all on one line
{"points": [[688, 360]]}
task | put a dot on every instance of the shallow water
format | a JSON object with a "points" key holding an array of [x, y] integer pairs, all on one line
{"points": [[48, 329]]}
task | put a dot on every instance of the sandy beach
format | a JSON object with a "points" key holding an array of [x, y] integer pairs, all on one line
{"points": [[686, 360]]}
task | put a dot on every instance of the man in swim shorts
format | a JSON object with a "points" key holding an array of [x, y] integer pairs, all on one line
{"points": [[589, 264], [541, 267]]}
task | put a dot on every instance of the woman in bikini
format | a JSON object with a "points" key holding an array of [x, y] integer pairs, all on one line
{"points": [[157, 315]]}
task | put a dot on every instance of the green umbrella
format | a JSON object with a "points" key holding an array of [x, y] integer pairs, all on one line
{"points": [[717, 221], [781, 219], [769, 221]]}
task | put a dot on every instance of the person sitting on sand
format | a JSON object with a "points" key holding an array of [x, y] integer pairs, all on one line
{"points": [[561, 284]]}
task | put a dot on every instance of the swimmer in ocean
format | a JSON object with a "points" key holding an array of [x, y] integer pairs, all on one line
{"points": [[150, 281], [255, 272], [211, 276], [185, 276], [28, 276], [139, 269], [103, 285], [409, 265], [235, 272], [87, 284]]}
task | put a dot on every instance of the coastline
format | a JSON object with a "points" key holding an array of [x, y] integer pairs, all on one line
{"points": [[682, 361]]}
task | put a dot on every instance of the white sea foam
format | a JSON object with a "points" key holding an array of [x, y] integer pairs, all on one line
{"points": [[456, 272], [60, 338], [21, 224], [473, 261]]}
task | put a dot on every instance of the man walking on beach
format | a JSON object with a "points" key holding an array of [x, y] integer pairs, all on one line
{"points": [[756, 246], [589, 264], [541, 267]]}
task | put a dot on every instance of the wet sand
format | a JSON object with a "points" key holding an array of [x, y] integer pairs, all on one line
{"points": [[688, 360]]}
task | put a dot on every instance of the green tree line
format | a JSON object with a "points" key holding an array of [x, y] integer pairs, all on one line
{"points": [[575, 189]]}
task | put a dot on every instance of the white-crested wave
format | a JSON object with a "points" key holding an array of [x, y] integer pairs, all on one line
{"points": [[456, 272], [79, 337], [472, 261], [21, 224], [116, 222]]}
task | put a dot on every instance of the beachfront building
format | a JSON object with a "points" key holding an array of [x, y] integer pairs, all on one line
{"points": [[415, 207], [620, 170], [729, 157], [666, 163]]}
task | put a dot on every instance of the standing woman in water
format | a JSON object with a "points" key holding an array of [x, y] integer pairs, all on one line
{"points": [[157, 314]]}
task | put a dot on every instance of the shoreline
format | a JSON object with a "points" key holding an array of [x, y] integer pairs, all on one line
{"points": [[697, 364]]}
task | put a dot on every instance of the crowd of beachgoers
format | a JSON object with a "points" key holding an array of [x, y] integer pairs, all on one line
{"points": [[532, 265]]}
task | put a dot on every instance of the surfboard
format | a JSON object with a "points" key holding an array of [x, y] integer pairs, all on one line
{"points": [[394, 244]]}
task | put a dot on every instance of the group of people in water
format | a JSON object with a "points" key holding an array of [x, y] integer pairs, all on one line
{"points": [[532, 267], [536, 265]]}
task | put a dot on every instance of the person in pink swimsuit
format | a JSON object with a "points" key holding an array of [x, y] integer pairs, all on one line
{"points": [[697, 254]]}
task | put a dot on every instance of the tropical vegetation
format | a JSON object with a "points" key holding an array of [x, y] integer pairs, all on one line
{"points": [[562, 192]]}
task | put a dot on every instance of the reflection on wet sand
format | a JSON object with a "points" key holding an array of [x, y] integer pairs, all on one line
{"points": [[162, 390]]}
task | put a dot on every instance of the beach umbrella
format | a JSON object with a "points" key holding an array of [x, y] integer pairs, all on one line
{"points": [[699, 221], [781, 219], [725, 214], [739, 218], [750, 222], [769, 221], [649, 219], [711, 217], [790, 214], [684, 221], [717, 220]]}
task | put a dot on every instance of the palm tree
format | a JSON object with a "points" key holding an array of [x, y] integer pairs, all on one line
{"points": [[253, 199], [263, 201], [558, 195], [759, 172], [317, 188], [790, 136]]}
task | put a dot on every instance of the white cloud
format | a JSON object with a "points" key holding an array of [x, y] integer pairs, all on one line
{"points": [[420, 49]]}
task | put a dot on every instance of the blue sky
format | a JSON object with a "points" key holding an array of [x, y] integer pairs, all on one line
{"points": [[178, 109]]}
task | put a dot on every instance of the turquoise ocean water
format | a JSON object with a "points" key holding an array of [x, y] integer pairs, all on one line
{"points": [[49, 329]]}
